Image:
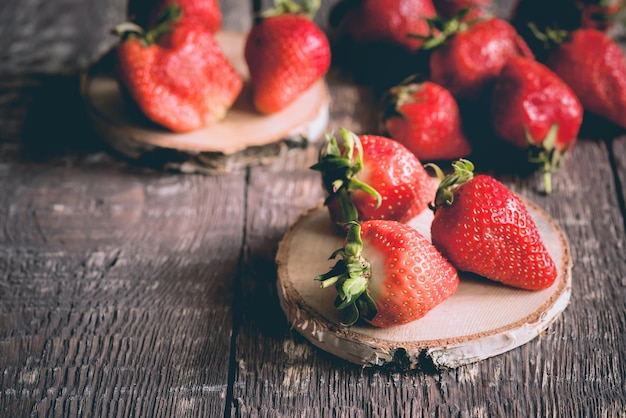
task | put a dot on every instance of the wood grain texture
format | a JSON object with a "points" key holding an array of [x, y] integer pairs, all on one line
{"points": [[121, 287], [111, 304]]}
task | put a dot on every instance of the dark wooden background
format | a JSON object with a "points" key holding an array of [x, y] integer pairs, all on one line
{"points": [[129, 291]]}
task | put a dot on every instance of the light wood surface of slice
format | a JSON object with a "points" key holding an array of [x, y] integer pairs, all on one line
{"points": [[482, 319], [245, 137]]}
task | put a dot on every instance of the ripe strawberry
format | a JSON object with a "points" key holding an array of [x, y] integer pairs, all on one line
{"points": [[286, 53], [594, 66], [467, 56], [424, 117], [449, 8], [482, 227], [372, 177], [178, 76], [532, 107], [205, 13], [388, 274], [386, 22]]}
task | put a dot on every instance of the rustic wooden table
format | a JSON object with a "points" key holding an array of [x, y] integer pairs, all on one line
{"points": [[129, 291]]}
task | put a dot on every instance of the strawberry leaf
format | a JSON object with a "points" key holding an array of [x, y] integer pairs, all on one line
{"points": [[463, 172], [339, 166], [350, 276], [163, 25]]}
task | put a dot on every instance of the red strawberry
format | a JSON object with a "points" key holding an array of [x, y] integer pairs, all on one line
{"points": [[469, 55], [286, 53], [424, 117], [205, 13], [594, 66], [532, 107], [372, 177], [178, 77], [386, 21], [388, 274], [482, 227], [449, 8]]}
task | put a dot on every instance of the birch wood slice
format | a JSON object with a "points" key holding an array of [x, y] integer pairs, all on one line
{"points": [[244, 138], [482, 319]]}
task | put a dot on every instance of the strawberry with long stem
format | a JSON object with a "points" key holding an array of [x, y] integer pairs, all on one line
{"points": [[594, 66], [372, 177], [532, 108], [388, 274]]}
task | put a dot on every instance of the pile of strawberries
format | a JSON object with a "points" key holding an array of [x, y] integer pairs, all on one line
{"points": [[527, 83], [175, 71], [388, 273], [477, 80]]}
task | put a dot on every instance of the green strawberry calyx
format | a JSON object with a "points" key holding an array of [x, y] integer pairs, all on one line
{"points": [[339, 167], [164, 24], [307, 8], [550, 36], [547, 154], [441, 29], [350, 276], [463, 171], [400, 95]]}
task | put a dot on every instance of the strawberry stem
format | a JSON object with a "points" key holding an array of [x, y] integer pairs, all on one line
{"points": [[547, 155], [350, 276], [164, 24], [463, 172], [339, 167], [281, 7], [441, 29], [550, 36]]}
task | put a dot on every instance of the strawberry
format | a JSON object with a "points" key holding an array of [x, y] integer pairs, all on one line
{"points": [[388, 274], [449, 8], [286, 53], [594, 66], [467, 56], [386, 21], [532, 107], [200, 12], [177, 75], [482, 227], [372, 177], [424, 117]]}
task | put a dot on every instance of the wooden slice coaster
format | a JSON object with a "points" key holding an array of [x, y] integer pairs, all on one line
{"points": [[242, 139], [482, 319]]}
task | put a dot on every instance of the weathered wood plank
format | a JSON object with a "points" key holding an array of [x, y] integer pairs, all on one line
{"points": [[56, 37], [572, 370], [116, 290], [618, 146], [117, 285]]}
